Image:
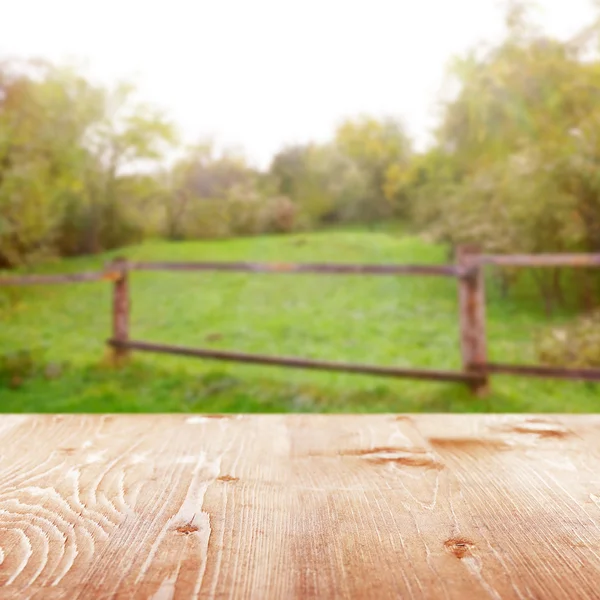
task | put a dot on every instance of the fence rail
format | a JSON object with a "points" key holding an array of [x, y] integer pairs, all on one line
{"points": [[18, 280], [296, 268], [540, 260], [544, 372], [299, 363], [468, 271]]}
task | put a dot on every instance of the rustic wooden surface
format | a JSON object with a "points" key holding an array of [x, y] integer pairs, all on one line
{"points": [[300, 506], [471, 304]]}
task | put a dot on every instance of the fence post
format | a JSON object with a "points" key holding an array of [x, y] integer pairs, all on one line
{"points": [[120, 311], [471, 297]]}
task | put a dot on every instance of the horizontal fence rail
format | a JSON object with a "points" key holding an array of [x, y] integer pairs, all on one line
{"points": [[540, 260], [300, 363], [544, 372], [16, 280], [292, 268]]}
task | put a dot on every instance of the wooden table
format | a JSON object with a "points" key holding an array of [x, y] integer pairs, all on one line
{"points": [[176, 506]]}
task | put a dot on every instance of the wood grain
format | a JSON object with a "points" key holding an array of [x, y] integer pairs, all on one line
{"points": [[386, 506], [471, 303]]}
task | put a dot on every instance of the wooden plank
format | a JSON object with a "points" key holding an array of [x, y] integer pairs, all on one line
{"points": [[541, 260], [299, 506], [292, 268], [18, 280], [471, 300], [120, 312], [545, 372], [293, 362]]}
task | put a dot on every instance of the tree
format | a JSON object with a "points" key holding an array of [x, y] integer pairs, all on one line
{"points": [[521, 139], [521, 135], [126, 136], [381, 151], [288, 167], [40, 159], [358, 177], [65, 146]]}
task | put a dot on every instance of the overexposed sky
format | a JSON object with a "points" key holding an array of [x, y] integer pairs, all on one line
{"points": [[258, 74]]}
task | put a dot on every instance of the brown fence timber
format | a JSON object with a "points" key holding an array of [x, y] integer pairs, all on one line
{"points": [[471, 302], [19, 280], [121, 309], [544, 372], [540, 260], [296, 268], [300, 363]]}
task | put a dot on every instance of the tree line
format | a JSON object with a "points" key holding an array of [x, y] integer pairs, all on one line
{"points": [[514, 166], [83, 169]]}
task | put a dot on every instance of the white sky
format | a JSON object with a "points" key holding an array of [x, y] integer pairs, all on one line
{"points": [[258, 74]]}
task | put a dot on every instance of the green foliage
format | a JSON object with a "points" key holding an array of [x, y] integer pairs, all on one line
{"points": [[17, 367], [207, 195], [380, 151], [574, 345], [356, 178], [521, 134], [407, 321], [38, 155], [515, 167], [65, 149]]}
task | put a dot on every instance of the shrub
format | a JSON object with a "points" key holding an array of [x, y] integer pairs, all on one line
{"points": [[16, 367], [278, 215], [575, 345], [206, 219]]}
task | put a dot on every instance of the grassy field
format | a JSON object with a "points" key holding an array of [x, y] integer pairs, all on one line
{"points": [[53, 357]]}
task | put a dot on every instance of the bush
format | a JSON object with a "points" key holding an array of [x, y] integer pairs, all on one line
{"points": [[87, 229], [16, 367], [206, 219], [575, 345], [277, 215], [240, 214]]}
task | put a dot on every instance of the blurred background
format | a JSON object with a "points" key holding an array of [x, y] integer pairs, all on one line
{"points": [[360, 132]]}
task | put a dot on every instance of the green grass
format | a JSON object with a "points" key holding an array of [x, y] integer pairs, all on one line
{"points": [[404, 321]]}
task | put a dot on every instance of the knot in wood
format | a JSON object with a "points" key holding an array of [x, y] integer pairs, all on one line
{"points": [[187, 529], [459, 547]]}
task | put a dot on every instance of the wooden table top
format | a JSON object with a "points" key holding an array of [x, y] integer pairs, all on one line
{"points": [[300, 506]]}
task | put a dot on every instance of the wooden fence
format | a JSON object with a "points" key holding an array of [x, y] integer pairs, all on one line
{"points": [[468, 271]]}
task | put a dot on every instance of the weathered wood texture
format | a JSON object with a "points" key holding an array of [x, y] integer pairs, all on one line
{"points": [[296, 268], [301, 363], [121, 309], [541, 260], [471, 303], [175, 506], [61, 278]]}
